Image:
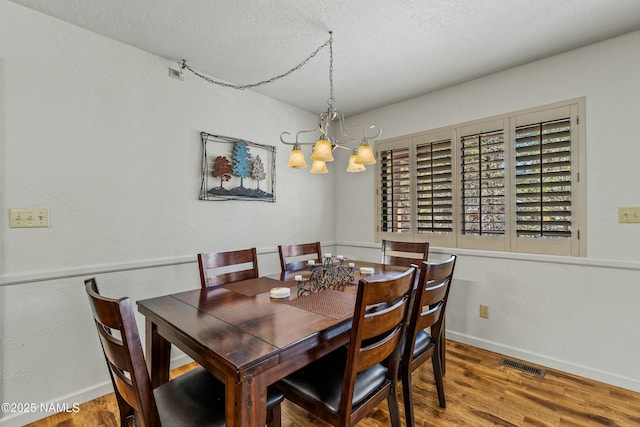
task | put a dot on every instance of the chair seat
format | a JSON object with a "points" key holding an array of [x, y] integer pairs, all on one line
{"points": [[423, 341], [321, 381], [196, 398]]}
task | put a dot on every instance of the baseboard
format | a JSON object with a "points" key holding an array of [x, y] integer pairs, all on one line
{"points": [[22, 418], [540, 359]]}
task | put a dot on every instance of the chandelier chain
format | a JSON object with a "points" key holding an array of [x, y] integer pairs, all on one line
{"points": [[183, 65], [331, 100]]}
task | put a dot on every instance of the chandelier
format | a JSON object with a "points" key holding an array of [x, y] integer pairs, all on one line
{"points": [[332, 132], [333, 135]]}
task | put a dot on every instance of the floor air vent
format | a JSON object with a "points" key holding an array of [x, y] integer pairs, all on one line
{"points": [[522, 367]]}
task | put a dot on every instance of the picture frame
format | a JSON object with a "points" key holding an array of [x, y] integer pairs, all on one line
{"points": [[237, 169]]}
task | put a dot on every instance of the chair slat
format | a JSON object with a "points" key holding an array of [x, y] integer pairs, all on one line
{"points": [[230, 266], [290, 255], [404, 254]]}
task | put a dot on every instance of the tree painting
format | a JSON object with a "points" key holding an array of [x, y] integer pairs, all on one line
{"points": [[257, 172], [222, 169], [241, 161], [228, 162]]}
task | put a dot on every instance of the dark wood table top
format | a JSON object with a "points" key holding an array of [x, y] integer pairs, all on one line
{"points": [[247, 339]]}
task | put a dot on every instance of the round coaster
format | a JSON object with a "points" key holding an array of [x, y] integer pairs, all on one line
{"points": [[366, 270], [280, 292]]}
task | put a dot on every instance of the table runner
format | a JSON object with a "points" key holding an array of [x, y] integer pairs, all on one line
{"points": [[330, 303], [253, 287]]}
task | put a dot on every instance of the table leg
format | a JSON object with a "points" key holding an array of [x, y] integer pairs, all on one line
{"points": [[246, 403], [158, 355]]}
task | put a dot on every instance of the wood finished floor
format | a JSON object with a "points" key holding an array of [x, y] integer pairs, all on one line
{"points": [[479, 391]]}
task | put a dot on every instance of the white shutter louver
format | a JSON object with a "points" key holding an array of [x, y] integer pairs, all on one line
{"points": [[395, 191], [434, 187], [483, 183]]}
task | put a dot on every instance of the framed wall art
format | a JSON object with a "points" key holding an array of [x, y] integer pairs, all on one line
{"points": [[237, 169]]}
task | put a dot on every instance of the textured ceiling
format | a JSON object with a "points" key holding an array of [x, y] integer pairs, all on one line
{"points": [[385, 51]]}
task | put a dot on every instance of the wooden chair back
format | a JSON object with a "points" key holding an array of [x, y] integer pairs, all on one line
{"points": [[219, 268], [377, 332], [404, 253], [295, 257], [118, 333], [428, 311], [435, 282]]}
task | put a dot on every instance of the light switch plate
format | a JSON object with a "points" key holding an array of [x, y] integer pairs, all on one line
{"points": [[28, 217], [629, 215]]}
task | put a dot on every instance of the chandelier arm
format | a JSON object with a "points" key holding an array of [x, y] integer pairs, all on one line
{"points": [[339, 145], [324, 120], [377, 135], [343, 132], [297, 134], [286, 142], [350, 138], [369, 137]]}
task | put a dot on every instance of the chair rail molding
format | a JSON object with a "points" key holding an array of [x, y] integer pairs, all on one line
{"points": [[90, 270]]}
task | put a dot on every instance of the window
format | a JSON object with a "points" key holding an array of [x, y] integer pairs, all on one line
{"points": [[434, 173], [509, 183], [483, 183], [395, 190], [543, 179]]}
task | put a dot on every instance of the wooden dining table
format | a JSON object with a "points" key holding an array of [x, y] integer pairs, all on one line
{"points": [[247, 339]]}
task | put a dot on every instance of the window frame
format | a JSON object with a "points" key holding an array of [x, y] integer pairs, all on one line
{"points": [[509, 241]]}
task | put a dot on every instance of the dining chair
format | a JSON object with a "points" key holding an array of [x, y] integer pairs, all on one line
{"points": [[428, 310], [347, 384], [219, 268], [404, 253], [195, 398], [295, 257]]}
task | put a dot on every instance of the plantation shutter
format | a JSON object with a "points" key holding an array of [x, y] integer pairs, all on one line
{"points": [[512, 182], [434, 187], [543, 179], [395, 190], [483, 183]]}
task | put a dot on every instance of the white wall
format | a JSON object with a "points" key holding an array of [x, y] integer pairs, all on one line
{"points": [[579, 315], [97, 132]]}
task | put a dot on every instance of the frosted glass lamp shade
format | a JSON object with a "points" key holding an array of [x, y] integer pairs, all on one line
{"points": [[353, 166], [365, 155], [319, 166], [296, 159], [323, 150]]}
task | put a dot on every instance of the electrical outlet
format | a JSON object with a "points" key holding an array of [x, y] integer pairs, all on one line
{"points": [[629, 215], [28, 217], [484, 311]]}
